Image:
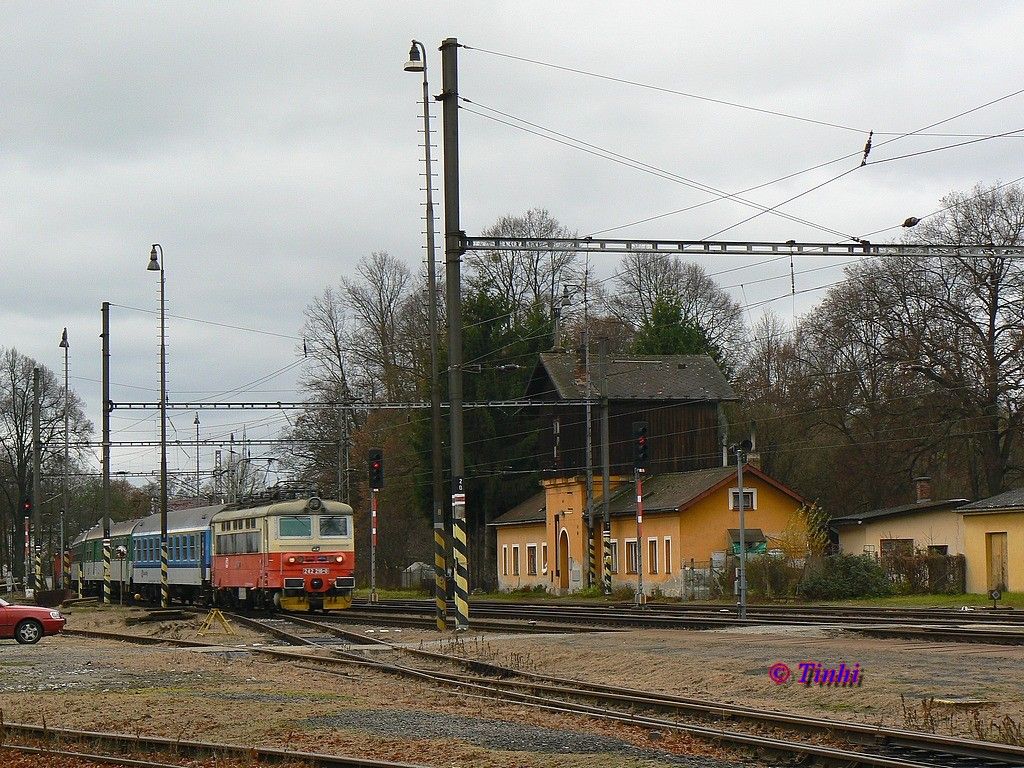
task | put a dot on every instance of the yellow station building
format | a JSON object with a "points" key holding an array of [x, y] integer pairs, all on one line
{"points": [[690, 520]]}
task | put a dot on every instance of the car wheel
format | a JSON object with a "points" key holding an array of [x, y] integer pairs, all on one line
{"points": [[28, 632]]}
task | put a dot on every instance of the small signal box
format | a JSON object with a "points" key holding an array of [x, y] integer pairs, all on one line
{"points": [[641, 448], [376, 460]]}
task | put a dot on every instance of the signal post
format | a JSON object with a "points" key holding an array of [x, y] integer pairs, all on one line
{"points": [[376, 462], [640, 460]]}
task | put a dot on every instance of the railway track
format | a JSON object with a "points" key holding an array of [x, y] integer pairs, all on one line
{"points": [[996, 628], [868, 745], [856, 744], [58, 742]]}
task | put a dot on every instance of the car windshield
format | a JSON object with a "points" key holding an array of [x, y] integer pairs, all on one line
{"points": [[3, 602]]}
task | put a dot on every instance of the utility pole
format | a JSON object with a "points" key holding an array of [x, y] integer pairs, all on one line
{"points": [[453, 292], [65, 564], [342, 484], [606, 557], [36, 477], [105, 335], [198, 448], [740, 460], [591, 551]]}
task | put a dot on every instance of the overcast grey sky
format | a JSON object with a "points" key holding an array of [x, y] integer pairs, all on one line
{"points": [[269, 146]]}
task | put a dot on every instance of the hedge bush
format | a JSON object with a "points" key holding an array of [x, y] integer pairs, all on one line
{"points": [[838, 577]]}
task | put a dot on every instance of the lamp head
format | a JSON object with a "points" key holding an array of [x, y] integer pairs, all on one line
{"points": [[64, 340], [154, 263], [415, 62]]}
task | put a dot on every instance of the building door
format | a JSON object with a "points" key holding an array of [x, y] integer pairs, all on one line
{"points": [[996, 560], [563, 560]]}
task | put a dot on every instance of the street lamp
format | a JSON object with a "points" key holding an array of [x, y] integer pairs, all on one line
{"points": [[157, 265], [418, 63], [64, 478]]}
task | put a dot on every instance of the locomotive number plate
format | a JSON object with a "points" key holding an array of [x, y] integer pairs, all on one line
{"points": [[315, 570]]}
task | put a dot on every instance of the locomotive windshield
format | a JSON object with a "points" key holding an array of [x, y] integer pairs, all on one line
{"points": [[297, 527], [334, 526]]}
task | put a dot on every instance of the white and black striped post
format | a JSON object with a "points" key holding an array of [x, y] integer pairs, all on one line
{"points": [[461, 557]]}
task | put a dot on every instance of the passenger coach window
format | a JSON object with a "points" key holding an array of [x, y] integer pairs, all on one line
{"points": [[296, 527], [334, 526]]}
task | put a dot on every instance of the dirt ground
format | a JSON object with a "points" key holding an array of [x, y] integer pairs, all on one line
{"points": [[954, 688], [233, 695]]}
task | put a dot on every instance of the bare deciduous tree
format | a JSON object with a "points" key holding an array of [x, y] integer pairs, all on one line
{"points": [[524, 279], [16, 435], [645, 277]]}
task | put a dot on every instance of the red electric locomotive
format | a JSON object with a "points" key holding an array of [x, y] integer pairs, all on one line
{"points": [[296, 554]]}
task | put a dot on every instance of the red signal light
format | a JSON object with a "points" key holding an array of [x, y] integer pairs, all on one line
{"points": [[376, 466]]}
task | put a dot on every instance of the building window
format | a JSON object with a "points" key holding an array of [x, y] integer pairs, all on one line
{"points": [[938, 550], [668, 554], [652, 555], [544, 558], [504, 559], [613, 554], [632, 556], [897, 547], [515, 559], [749, 498], [531, 559]]}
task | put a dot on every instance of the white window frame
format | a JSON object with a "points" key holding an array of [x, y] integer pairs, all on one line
{"points": [[504, 559], [632, 564], [668, 554], [652, 555], [734, 495], [544, 557], [532, 547], [515, 559]]}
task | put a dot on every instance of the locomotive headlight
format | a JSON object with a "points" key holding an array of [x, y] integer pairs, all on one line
{"points": [[291, 560], [340, 559]]}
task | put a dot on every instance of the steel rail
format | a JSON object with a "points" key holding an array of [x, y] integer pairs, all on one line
{"points": [[87, 756], [864, 733], [162, 743], [1010, 634], [499, 690], [490, 688]]}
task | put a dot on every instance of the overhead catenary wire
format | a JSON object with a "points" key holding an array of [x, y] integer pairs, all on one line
{"points": [[593, 149], [900, 137]]}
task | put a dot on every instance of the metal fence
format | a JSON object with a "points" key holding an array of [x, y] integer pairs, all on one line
{"points": [[705, 580]]}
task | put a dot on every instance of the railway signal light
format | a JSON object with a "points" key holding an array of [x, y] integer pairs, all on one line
{"points": [[376, 468], [641, 454], [26, 507]]}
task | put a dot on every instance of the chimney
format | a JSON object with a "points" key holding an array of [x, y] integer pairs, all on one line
{"points": [[922, 489]]}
